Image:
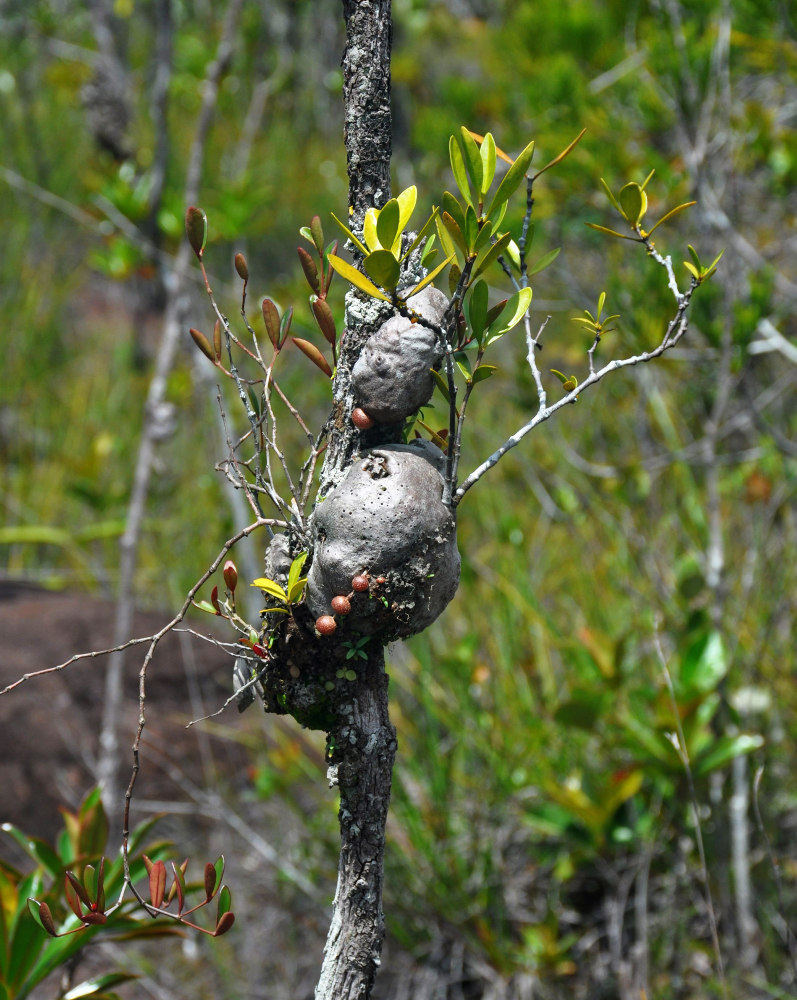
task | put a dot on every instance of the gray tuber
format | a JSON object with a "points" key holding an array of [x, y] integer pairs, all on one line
{"points": [[392, 378], [387, 519]]}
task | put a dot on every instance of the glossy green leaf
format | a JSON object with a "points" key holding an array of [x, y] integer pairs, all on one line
{"points": [[510, 315], [100, 984], [359, 280], [513, 177], [225, 901], [454, 231], [487, 152], [483, 237], [491, 254], [383, 268], [476, 304], [387, 224], [472, 158], [458, 169], [483, 372], [446, 241]]}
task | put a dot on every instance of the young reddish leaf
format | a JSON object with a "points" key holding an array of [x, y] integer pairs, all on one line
{"points": [[310, 269], [77, 885], [317, 231], [148, 863], [217, 340], [214, 600], [241, 267], [203, 344], [42, 914], [313, 354], [196, 227], [272, 320], [225, 923], [72, 897], [157, 883], [324, 318], [210, 881], [94, 918]]}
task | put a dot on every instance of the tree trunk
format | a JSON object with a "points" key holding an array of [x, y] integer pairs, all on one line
{"points": [[362, 742]]}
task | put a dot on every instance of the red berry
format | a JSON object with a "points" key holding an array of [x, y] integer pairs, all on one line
{"points": [[361, 420], [341, 605], [325, 625], [359, 582]]}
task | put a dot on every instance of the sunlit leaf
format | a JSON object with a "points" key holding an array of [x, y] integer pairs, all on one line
{"points": [[430, 276], [543, 262], [487, 153], [359, 280], [387, 224], [458, 169], [510, 315], [270, 587], [350, 235], [383, 267], [671, 213], [513, 177], [633, 203], [472, 158]]}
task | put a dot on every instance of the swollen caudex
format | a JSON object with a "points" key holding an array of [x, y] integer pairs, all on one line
{"points": [[386, 522], [392, 378]]}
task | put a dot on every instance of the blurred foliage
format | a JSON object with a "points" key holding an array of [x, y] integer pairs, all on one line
{"points": [[538, 780]]}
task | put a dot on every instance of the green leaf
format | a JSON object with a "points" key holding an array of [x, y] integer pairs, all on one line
{"points": [[704, 664], [513, 177], [271, 587], [225, 902], [610, 232], [421, 235], [296, 569], [472, 157], [441, 383], [671, 213], [350, 235], [483, 239], [633, 203], [387, 224], [510, 315], [383, 267], [406, 202], [612, 199], [458, 169], [490, 254], [455, 232], [562, 155], [544, 261], [471, 230], [477, 308], [724, 749], [430, 277], [446, 242], [359, 280], [692, 270], [91, 987], [487, 152], [483, 372]]}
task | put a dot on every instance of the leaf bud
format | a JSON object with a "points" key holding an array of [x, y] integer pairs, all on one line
{"points": [[230, 575], [241, 267]]}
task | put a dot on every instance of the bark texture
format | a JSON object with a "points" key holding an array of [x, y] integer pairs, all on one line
{"points": [[366, 94]]}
